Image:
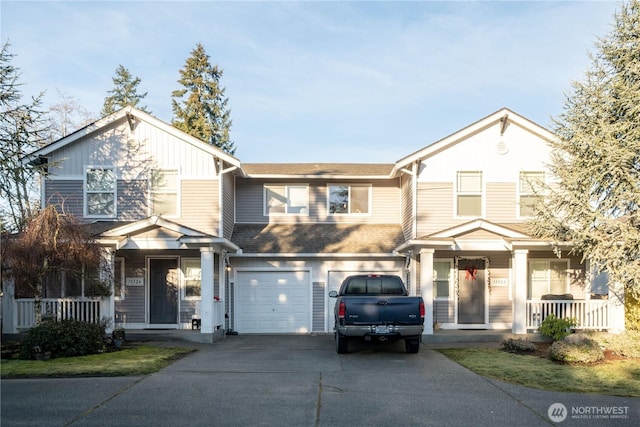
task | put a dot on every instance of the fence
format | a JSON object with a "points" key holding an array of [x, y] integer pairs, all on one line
{"points": [[85, 309], [590, 314]]}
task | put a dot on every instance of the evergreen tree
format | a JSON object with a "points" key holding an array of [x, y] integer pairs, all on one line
{"points": [[23, 129], [200, 108], [595, 201], [124, 92]]}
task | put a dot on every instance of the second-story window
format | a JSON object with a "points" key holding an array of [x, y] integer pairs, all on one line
{"points": [[286, 199], [529, 188], [469, 193], [349, 199], [100, 190], [164, 192]]}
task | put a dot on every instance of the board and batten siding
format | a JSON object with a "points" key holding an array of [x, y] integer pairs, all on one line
{"points": [[133, 153], [199, 205], [385, 203]]}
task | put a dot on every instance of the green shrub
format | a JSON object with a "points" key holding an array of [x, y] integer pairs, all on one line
{"points": [[517, 345], [626, 344], [576, 348], [556, 328], [63, 339], [632, 312]]}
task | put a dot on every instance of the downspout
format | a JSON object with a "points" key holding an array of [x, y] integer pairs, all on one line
{"points": [[220, 194]]}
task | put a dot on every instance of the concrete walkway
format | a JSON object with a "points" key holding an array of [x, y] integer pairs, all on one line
{"points": [[252, 380]]}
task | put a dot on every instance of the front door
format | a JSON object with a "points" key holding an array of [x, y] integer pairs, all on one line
{"points": [[471, 283], [163, 291]]}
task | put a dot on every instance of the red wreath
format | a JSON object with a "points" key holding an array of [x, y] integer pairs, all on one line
{"points": [[470, 273]]}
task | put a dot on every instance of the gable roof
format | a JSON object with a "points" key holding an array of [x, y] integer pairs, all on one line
{"points": [[131, 114], [334, 239], [150, 232], [503, 116], [319, 170]]}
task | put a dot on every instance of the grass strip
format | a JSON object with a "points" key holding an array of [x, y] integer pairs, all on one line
{"points": [[615, 378], [140, 360]]}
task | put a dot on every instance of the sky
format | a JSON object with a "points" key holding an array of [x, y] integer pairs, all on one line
{"points": [[313, 82]]}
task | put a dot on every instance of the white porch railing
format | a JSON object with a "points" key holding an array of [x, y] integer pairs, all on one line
{"points": [[218, 314], [84, 309], [590, 314]]}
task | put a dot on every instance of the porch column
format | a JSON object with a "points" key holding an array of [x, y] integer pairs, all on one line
{"points": [[107, 274], [9, 307], [426, 288], [519, 325], [206, 282], [616, 307]]}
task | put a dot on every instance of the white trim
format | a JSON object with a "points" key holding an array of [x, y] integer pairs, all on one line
{"points": [[147, 292], [457, 193], [183, 279], [451, 296], [349, 187], [123, 294], [178, 192], [567, 282], [464, 133], [308, 270], [86, 192], [287, 186]]}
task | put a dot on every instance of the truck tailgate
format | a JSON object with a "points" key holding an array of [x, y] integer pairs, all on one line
{"points": [[398, 310]]}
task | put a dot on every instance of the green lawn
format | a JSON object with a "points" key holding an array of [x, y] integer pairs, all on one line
{"points": [[616, 378], [128, 361]]}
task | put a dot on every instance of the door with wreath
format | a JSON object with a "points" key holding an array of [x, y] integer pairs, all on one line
{"points": [[471, 291]]}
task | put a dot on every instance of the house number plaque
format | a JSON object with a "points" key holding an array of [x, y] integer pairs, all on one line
{"points": [[134, 281]]}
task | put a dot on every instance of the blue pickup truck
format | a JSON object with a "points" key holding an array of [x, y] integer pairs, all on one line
{"points": [[377, 307]]}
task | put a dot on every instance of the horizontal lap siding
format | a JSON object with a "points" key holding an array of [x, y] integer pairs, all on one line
{"points": [[318, 314], [132, 308], [385, 203], [407, 207], [435, 207], [199, 205], [501, 201], [500, 306], [228, 205], [443, 312], [68, 195]]}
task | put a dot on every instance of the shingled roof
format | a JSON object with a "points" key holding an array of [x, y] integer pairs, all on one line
{"points": [[319, 169], [317, 238]]}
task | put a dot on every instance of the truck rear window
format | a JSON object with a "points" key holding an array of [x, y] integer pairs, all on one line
{"points": [[375, 285]]}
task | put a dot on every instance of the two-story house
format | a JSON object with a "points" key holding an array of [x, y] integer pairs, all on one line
{"points": [[195, 237]]}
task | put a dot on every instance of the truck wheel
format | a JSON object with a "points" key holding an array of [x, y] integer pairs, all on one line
{"points": [[412, 345], [342, 343]]}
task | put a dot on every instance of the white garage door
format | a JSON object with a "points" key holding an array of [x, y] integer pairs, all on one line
{"points": [[272, 301]]}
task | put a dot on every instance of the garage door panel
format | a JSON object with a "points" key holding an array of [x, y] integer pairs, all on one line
{"points": [[272, 301]]}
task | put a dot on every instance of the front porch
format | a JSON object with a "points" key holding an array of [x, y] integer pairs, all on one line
{"points": [[18, 315]]}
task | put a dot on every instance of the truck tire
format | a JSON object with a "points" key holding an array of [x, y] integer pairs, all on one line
{"points": [[342, 343], [412, 345]]}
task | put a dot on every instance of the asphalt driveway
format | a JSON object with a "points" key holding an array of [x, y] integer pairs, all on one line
{"points": [[270, 380]]}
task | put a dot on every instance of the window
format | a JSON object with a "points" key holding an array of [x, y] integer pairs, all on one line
{"points": [[442, 278], [118, 279], [100, 187], [349, 199], [192, 278], [84, 283], [529, 188], [286, 199], [469, 193], [548, 277], [164, 192]]}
